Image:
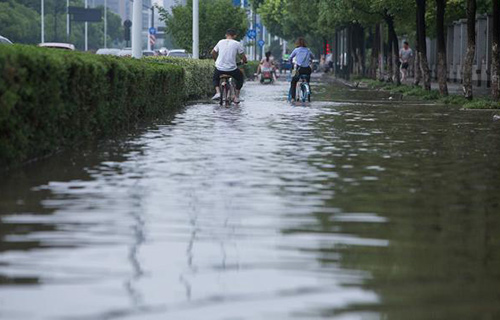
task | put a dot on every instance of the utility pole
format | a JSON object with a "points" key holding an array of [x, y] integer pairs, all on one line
{"points": [[196, 35], [105, 23], [137, 29], [55, 23], [86, 29], [42, 12], [254, 26], [67, 20]]}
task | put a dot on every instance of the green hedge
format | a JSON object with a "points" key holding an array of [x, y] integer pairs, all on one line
{"points": [[196, 71], [250, 68], [53, 98]]}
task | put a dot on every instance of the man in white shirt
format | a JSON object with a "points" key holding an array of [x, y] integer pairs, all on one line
{"points": [[225, 53]]}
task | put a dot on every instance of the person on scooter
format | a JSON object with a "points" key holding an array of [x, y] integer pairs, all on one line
{"points": [[304, 57], [225, 53], [267, 63]]}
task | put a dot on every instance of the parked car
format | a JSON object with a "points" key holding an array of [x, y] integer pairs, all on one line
{"points": [[108, 51], [58, 45], [5, 40], [179, 53], [125, 52], [148, 53]]}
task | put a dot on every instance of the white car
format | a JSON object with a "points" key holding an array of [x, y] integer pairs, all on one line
{"points": [[125, 52], [108, 51], [58, 45], [179, 53], [4, 40]]}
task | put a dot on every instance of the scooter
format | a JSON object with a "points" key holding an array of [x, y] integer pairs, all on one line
{"points": [[266, 76]]}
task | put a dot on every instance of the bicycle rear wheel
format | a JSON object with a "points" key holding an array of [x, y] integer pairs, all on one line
{"points": [[303, 92], [223, 93], [231, 93], [308, 92]]}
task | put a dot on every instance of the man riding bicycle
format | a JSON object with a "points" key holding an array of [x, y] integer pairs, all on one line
{"points": [[225, 53], [304, 58]]}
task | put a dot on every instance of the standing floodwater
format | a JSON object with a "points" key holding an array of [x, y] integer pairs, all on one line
{"points": [[345, 210]]}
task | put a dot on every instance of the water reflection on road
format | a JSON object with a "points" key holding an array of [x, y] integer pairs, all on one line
{"points": [[345, 210]]}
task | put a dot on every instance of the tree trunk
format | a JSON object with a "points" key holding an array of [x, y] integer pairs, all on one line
{"points": [[471, 48], [390, 64], [375, 51], [397, 63], [417, 70], [441, 47], [360, 51], [422, 45], [353, 49], [495, 52], [394, 53], [381, 62]]}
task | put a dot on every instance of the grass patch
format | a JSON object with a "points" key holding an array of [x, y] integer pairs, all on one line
{"points": [[482, 104], [419, 92]]}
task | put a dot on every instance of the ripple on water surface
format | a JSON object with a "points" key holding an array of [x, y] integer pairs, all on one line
{"points": [[263, 211]]}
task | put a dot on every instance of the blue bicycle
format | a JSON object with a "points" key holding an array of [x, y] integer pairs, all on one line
{"points": [[304, 93]]}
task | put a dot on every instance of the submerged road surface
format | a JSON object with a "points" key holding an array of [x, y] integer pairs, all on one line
{"points": [[368, 209]]}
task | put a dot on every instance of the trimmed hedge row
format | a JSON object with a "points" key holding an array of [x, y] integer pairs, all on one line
{"points": [[196, 73], [250, 68], [53, 98]]}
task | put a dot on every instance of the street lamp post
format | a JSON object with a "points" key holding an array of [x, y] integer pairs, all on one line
{"points": [[105, 23], [196, 35], [67, 20], [137, 29], [86, 29], [42, 12]]}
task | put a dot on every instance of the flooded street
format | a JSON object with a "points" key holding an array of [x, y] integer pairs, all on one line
{"points": [[356, 207]]}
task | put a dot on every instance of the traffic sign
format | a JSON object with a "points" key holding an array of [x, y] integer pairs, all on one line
{"points": [[152, 30], [251, 34], [262, 43]]}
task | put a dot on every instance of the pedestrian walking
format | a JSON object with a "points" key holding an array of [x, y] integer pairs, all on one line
{"points": [[405, 56]]}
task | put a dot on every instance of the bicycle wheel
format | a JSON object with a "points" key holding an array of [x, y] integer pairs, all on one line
{"points": [[223, 93], [308, 90], [231, 94], [303, 92]]}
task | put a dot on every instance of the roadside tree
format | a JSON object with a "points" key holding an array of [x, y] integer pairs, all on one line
{"points": [[215, 17], [495, 52], [471, 48]]}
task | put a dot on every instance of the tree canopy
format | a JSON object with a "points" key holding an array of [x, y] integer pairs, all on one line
{"points": [[215, 17], [318, 18]]}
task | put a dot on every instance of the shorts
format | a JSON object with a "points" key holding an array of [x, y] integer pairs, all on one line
{"points": [[236, 74]]}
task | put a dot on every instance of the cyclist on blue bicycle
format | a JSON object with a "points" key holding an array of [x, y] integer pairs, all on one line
{"points": [[225, 53], [304, 57]]}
